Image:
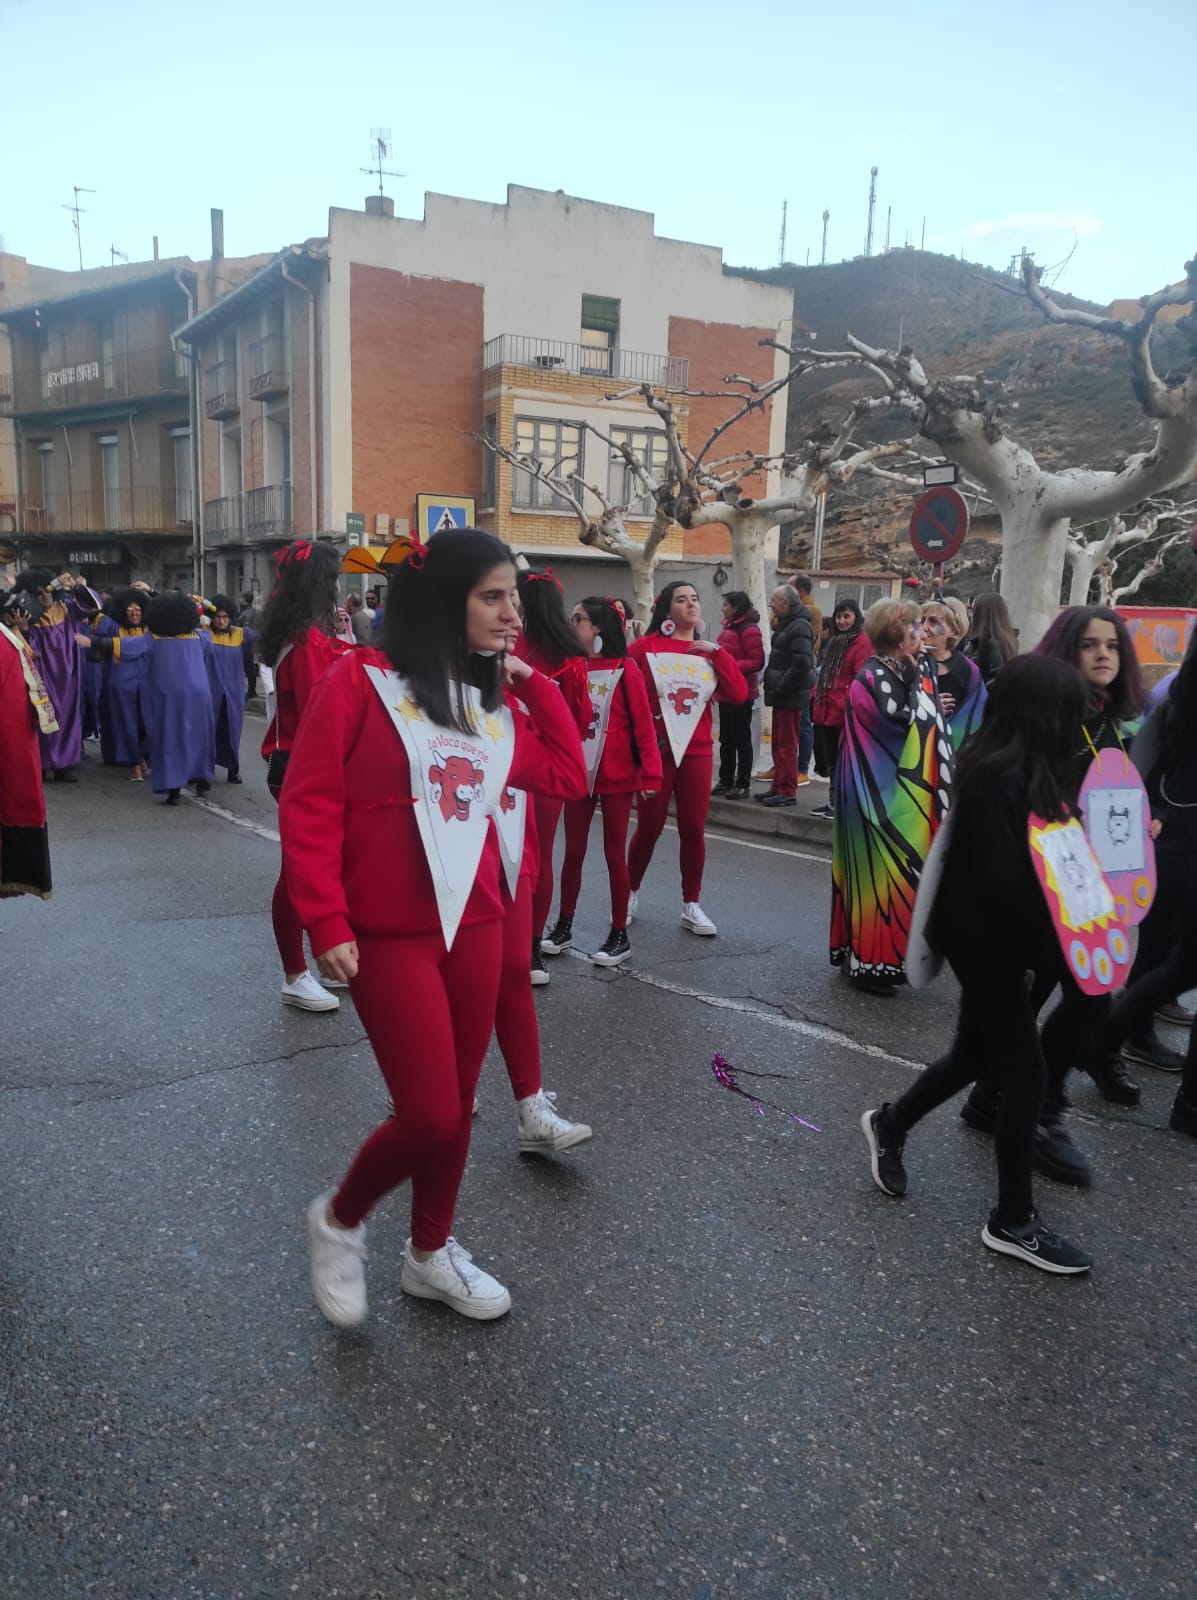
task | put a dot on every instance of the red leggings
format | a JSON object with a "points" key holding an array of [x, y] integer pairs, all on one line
{"points": [[548, 815], [515, 1016], [428, 1014], [617, 811], [690, 785], [288, 930]]}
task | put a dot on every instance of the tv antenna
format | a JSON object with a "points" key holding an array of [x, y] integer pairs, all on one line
{"points": [[380, 148], [78, 211], [781, 243], [116, 255]]}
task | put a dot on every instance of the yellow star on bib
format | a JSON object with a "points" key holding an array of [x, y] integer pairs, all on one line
{"points": [[494, 729], [602, 689], [409, 710]]}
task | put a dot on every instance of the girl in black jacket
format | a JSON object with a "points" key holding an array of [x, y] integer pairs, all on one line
{"points": [[992, 922], [788, 678]]}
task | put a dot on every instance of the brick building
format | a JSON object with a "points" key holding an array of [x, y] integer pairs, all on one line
{"points": [[354, 374], [99, 473]]}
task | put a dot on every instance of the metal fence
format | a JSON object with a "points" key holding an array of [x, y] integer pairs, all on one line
{"points": [[85, 383], [585, 360], [129, 510], [224, 521], [268, 511]]}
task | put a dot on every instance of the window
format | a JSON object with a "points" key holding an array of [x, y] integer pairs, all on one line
{"points": [[180, 439], [110, 477], [649, 447], [600, 333], [556, 446], [108, 355], [490, 428]]}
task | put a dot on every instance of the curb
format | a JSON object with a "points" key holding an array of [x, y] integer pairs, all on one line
{"points": [[775, 822]]}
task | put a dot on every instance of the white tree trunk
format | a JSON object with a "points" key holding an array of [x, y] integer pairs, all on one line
{"points": [[1033, 549], [748, 537], [644, 584], [1082, 564]]}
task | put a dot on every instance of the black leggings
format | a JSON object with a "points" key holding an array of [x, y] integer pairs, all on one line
{"points": [[1173, 942], [996, 1034], [735, 745]]}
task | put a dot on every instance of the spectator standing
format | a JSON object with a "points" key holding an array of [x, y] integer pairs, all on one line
{"points": [[789, 674], [741, 638], [845, 653], [806, 728], [359, 620], [247, 619], [991, 640]]}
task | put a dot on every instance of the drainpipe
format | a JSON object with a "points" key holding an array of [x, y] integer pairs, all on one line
{"points": [[299, 284], [197, 447]]}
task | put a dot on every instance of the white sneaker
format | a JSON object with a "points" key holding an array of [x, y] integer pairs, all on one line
{"points": [[633, 906], [338, 1276], [334, 983], [695, 920], [308, 995], [541, 1129], [450, 1275]]}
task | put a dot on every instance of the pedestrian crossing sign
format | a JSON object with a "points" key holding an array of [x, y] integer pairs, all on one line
{"points": [[436, 512]]}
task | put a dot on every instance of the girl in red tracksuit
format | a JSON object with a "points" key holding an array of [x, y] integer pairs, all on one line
{"points": [[364, 862], [629, 763], [296, 641], [549, 644], [673, 630]]}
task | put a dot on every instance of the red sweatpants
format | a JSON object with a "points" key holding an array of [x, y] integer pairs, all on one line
{"points": [[785, 750], [548, 815], [515, 1016], [288, 930], [617, 811], [428, 1014], [690, 785]]}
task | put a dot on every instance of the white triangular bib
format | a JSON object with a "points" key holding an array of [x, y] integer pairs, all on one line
{"points": [[457, 781], [601, 687], [684, 684]]}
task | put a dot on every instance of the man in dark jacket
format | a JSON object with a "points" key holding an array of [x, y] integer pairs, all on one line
{"points": [[789, 676]]}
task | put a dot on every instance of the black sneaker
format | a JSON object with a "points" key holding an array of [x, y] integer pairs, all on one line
{"points": [[1151, 1051], [721, 789], [1034, 1243], [1184, 1117], [202, 786], [885, 1160], [540, 973], [779, 800], [235, 777], [1057, 1157], [559, 937], [740, 792], [1112, 1079], [980, 1109], [825, 811], [615, 950]]}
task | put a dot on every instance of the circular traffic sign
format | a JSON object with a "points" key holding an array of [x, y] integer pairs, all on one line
{"points": [[939, 525]]}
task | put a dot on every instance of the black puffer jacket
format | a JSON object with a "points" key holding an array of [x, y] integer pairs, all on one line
{"points": [[790, 670]]}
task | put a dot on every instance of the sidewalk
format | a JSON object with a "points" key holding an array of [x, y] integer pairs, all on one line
{"points": [[780, 822]]}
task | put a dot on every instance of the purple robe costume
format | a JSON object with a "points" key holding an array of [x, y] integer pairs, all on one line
{"points": [[125, 719], [182, 737], [59, 659], [226, 674]]}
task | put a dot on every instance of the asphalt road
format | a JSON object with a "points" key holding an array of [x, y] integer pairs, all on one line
{"points": [[733, 1368]]}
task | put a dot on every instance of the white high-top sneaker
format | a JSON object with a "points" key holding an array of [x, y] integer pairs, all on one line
{"points": [[695, 920], [541, 1129]]}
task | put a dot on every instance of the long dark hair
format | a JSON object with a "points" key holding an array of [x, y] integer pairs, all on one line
{"points": [[546, 626], [835, 651], [1125, 696], [609, 623], [663, 602], [1031, 728], [991, 634], [304, 596], [1179, 752], [424, 629]]}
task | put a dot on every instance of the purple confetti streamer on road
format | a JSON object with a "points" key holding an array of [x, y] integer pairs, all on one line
{"points": [[729, 1077]]}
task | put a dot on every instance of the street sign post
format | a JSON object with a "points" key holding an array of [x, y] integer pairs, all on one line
{"points": [[355, 527], [939, 525]]}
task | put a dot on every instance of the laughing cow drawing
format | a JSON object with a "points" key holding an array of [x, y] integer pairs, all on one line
{"points": [[454, 785], [682, 699]]}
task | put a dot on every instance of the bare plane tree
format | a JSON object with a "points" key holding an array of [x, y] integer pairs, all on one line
{"points": [[1160, 527], [1038, 506]]}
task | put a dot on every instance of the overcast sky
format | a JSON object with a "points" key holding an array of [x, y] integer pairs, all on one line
{"points": [[1002, 125]]}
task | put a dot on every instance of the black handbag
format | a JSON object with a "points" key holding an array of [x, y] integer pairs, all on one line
{"points": [[276, 768]]}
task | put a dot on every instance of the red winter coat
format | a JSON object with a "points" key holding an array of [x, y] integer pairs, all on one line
{"points": [[743, 643], [351, 848], [618, 773], [730, 685], [827, 703]]}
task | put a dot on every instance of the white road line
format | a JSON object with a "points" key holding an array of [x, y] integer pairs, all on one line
{"points": [[226, 815], [751, 844], [772, 1019]]}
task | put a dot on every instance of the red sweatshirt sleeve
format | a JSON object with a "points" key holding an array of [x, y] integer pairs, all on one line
{"points": [[646, 734], [574, 687], [548, 747], [730, 685], [312, 805]]}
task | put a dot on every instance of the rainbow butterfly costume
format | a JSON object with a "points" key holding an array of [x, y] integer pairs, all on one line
{"points": [[893, 788]]}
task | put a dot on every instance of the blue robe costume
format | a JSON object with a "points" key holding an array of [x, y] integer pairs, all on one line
{"points": [[125, 720], [182, 738], [226, 674]]}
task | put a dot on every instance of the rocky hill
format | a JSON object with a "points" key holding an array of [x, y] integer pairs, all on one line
{"points": [[1067, 392]]}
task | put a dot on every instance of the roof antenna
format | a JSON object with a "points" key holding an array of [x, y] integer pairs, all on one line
{"points": [[78, 211], [380, 147]]}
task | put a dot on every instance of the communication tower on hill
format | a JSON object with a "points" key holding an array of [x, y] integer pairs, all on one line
{"points": [[823, 257], [868, 249], [781, 243]]}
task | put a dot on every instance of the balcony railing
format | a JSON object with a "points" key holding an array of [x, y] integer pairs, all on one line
{"points": [[269, 375], [130, 510], [132, 375], [220, 391], [268, 512], [224, 521], [589, 361]]}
